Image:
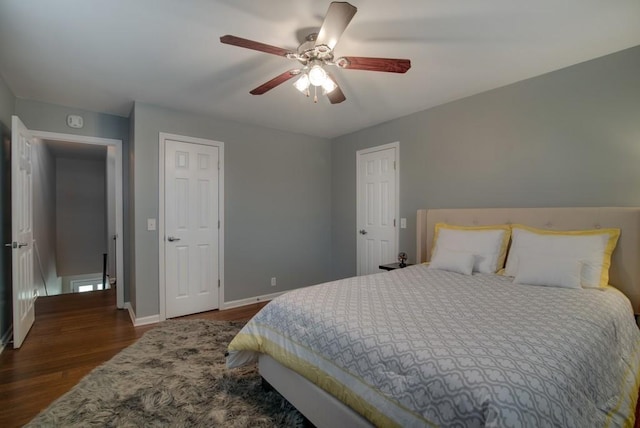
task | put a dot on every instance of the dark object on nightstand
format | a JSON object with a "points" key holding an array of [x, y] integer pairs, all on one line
{"points": [[392, 266], [402, 258]]}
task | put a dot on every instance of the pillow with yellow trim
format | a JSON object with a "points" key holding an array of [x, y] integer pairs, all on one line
{"points": [[591, 248], [488, 244]]}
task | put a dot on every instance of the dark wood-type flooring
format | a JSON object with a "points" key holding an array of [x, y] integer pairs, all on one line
{"points": [[72, 334]]}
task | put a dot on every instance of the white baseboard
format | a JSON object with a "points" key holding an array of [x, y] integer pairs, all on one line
{"points": [[249, 301], [5, 338], [153, 319], [137, 322]]}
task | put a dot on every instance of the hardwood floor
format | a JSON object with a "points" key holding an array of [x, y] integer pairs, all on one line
{"points": [[73, 334]]}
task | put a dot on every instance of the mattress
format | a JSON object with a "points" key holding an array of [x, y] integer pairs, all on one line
{"points": [[425, 347]]}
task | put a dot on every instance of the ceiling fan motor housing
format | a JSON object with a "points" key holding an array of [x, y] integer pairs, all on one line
{"points": [[308, 51]]}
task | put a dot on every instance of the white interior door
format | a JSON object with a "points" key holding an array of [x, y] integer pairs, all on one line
{"points": [[24, 291], [191, 228], [377, 207]]}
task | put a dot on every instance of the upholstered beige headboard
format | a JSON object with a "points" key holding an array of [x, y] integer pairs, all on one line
{"points": [[625, 264]]}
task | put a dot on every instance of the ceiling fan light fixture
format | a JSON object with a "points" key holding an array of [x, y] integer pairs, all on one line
{"points": [[317, 75], [302, 84], [316, 52], [329, 85]]}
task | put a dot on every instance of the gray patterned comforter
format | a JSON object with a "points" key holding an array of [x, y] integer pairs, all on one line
{"points": [[424, 347]]}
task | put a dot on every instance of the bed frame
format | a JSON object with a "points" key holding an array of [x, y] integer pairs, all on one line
{"points": [[323, 410]]}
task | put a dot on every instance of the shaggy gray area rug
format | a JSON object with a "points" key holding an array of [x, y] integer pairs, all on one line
{"points": [[175, 376]]}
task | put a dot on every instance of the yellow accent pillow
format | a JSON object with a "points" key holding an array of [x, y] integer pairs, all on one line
{"points": [[591, 248], [488, 244]]}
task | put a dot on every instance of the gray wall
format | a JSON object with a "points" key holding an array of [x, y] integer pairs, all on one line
{"points": [[53, 118], [80, 216], [44, 219], [277, 204], [567, 138], [41, 116], [7, 105]]}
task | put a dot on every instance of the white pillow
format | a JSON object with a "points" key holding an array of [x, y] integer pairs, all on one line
{"points": [[453, 261], [591, 248], [547, 271], [487, 243]]}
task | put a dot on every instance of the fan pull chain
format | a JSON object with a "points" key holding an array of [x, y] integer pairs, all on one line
{"points": [[315, 94]]}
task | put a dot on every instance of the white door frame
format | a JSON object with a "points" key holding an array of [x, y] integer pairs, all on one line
{"points": [[395, 145], [163, 136], [117, 144]]}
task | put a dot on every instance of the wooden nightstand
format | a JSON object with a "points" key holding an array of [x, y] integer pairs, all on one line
{"points": [[392, 266]]}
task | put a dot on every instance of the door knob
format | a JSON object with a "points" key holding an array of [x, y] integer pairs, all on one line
{"points": [[363, 232], [16, 244], [171, 239]]}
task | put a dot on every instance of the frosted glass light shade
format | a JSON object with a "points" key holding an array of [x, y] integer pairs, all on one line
{"points": [[302, 83], [329, 85], [317, 76]]}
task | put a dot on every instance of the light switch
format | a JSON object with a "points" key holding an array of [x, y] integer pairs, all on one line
{"points": [[151, 224], [403, 223]]}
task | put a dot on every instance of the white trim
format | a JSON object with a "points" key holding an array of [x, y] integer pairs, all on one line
{"points": [[251, 300], [137, 322], [153, 319], [5, 338], [74, 138], [395, 145], [162, 137], [119, 203], [132, 314]]}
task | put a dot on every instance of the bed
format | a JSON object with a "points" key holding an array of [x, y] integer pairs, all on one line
{"points": [[495, 354]]}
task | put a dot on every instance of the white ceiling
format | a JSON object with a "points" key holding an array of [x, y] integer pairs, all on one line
{"points": [[103, 55]]}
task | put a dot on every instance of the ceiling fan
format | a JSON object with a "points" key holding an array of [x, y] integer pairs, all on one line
{"points": [[316, 54]]}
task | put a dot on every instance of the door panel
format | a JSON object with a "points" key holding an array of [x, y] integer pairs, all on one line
{"points": [[377, 206], [24, 291], [191, 227]]}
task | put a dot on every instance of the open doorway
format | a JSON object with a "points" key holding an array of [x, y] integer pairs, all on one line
{"points": [[77, 214], [70, 227]]}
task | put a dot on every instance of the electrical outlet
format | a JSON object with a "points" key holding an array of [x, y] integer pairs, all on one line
{"points": [[403, 223], [273, 281]]}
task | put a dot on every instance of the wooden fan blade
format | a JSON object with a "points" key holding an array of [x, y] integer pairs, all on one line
{"points": [[335, 22], [256, 46], [278, 80], [336, 96], [390, 65]]}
